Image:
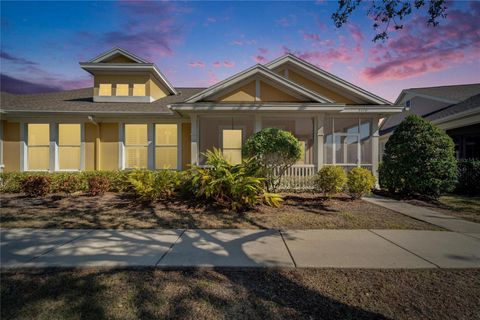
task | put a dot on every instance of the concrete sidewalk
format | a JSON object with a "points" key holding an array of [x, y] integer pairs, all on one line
{"points": [[421, 213], [239, 248]]}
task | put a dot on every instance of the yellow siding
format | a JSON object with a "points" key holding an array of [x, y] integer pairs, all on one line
{"points": [[91, 135], [272, 94], [186, 141], [314, 86], [157, 90], [108, 146], [119, 59], [11, 146], [243, 94]]}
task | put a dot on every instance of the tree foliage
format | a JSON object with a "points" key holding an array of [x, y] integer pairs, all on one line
{"points": [[275, 150], [388, 12], [418, 160]]}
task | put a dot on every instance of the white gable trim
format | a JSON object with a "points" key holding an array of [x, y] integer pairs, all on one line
{"points": [[257, 70], [113, 52], [328, 77]]}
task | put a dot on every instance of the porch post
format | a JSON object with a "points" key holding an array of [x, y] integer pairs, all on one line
{"points": [[258, 123], [320, 119], [194, 139], [375, 135]]}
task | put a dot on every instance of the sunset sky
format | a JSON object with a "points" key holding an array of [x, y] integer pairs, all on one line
{"points": [[200, 43]]}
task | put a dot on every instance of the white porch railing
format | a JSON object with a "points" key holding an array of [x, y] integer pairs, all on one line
{"points": [[298, 177]]}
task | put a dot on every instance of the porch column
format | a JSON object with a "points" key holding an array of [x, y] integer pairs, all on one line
{"points": [[375, 135], [194, 141], [320, 119], [258, 123], [53, 146]]}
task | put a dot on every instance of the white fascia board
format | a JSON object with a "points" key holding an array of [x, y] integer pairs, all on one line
{"points": [[383, 109], [89, 67], [115, 51], [257, 107], [327, 76], [258, 69]]}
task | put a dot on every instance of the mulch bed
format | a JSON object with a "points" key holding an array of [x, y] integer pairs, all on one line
{"points": [[240, 294], [112, 210]]}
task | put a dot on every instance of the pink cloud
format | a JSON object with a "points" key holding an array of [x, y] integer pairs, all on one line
{"points": [[356, 33], [263, 50], [259, 59], [244, 42], [217, 64], [288, 21], [419, 49], [196, 64], [228, 64]]}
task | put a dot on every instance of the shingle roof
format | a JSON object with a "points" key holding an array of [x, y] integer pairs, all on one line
{"points": [[469, 104], [453, 92], [81, 100]]}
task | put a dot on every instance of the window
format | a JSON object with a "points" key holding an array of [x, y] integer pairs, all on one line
{"points": [[166, 140], [105, 89], [232, 145], [122, 90], [136, 146], [139, 90], [38, 141], [69, 146]]}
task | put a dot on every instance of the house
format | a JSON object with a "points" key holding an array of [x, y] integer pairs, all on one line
{"points": [[455, 109], [133, 117]]}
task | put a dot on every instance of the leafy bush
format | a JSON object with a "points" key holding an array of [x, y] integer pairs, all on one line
{"points": [[98, 185], [330, 180], [468, 177], [117, 180], [152, 185], [67, 182], [360, 182], [36, 185], [275, 150], [235, 186], [11, 182], [418, 160]]}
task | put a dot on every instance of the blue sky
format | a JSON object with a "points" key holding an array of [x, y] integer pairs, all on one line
{"points": [[199, 43]]}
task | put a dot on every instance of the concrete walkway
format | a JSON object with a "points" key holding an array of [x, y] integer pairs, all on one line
{"points": [[239, 248], [421, 213]]}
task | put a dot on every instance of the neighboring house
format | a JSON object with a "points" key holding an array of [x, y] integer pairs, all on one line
{"points": [[455, 109], [134, 118]]}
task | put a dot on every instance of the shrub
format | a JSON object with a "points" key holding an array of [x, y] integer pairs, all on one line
{"points": [[11, 182], [98, 185], [418, 160], [117, 180], [330, 180], [152, 185], [468, 177], [275, 150], [360, 182], [235, 186], [36, 185], [67, 182]]}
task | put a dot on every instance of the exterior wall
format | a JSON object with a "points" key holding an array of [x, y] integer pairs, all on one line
{"points": [[109, 146], [120, 59], [91, 135], [269, 93], [156, 89], [11, 146], [186, 145], [312, 85], [122, 79], [245, 93]]}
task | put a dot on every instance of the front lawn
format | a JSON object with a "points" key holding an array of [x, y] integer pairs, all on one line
{"points": [[464, 207], [113, 210], [240, 294]]}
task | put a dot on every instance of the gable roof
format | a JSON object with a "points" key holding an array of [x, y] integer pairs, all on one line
{"points": [[81, 101], [258, 69], [96, 64], [466, 105], [451, 93], [114, 52], [330, 78]]}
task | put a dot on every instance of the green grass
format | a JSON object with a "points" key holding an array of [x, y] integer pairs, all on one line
{"points": [[461, 203]]}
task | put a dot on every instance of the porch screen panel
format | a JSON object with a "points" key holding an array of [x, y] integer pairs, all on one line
{"points": [[346, 139], [136, 146], [328, 141], [38, 141], [366, 141], [69, 142], [232, 145], [166, 146]]}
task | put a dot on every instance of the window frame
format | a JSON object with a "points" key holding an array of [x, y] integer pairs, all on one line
{"points": [[242, 128]]}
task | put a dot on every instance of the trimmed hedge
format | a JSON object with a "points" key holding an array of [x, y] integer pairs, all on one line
{"points": [[468, 177]]}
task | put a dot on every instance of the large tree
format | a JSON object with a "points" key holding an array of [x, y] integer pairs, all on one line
{"points": [[387, 13]]}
